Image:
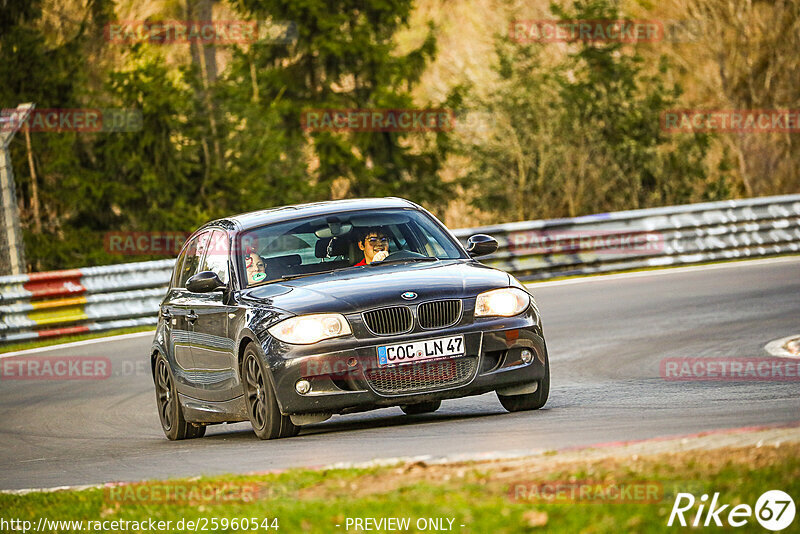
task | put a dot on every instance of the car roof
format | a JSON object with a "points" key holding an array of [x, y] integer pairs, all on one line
{"points": [[245, 221]]}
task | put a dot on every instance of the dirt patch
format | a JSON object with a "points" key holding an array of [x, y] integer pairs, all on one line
{"points": [[687, 458]]}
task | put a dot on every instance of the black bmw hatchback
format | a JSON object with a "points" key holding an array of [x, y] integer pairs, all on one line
{"points": [[286, 316]]}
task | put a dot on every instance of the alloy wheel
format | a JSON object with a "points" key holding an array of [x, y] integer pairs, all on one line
{"points": [[165, 397], [256, 392]]}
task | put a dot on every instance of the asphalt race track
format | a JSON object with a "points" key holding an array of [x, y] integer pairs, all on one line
{"points": [[606, 339]]}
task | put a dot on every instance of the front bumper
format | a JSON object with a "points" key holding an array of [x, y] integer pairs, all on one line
{"points": [[347, 378]]}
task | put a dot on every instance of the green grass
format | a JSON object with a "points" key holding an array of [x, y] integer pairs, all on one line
{"points": [[47, 342], [472, 495]]}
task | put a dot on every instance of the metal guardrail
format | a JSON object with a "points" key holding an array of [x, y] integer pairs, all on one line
{"points": [[115, 296], [624, 240], [75, 301]]}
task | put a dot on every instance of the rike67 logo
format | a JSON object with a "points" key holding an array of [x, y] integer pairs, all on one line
{"points": [[774, 510]]}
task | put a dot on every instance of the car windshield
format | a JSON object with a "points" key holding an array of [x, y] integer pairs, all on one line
{"points": [[340, 241]]}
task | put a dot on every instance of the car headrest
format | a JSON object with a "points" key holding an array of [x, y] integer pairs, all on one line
{"points": [[321, 247], [330, 248], [280, 265]]}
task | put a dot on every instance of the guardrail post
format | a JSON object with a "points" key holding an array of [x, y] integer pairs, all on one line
{"points": [[12, 247]]}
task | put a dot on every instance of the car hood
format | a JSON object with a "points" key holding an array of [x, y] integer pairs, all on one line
{"points": [[362, 288]]}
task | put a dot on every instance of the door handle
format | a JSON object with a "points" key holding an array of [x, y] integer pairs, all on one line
{"points": [[191, 316], [166, 314]]}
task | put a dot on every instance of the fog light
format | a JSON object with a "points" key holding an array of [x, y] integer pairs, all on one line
{"points": [[352, 362], [303, 386], [526, 355]]}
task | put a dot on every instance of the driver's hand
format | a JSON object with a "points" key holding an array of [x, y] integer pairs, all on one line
{"points": [[380, 256]]}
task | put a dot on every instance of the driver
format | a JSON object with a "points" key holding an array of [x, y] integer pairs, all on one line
{"points": [[375, 244], [254, 264]]}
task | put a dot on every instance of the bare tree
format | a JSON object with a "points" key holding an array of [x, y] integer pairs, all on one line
{"points": [[755, 44]]}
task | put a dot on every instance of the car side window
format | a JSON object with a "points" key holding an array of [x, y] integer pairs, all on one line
{"points": [[217, 256], [178, 269], [194, 254], [432, 246]]}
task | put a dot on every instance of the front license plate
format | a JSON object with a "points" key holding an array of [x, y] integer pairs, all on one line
{"points": [[429, 349]]}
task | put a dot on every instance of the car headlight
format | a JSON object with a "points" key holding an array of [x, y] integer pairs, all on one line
{"points": [[505, 302], [308, 329]]}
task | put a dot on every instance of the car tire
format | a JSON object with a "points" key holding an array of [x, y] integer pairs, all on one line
{"points": [[530, 401], [421, 407], [262, 405], [170, 413]]}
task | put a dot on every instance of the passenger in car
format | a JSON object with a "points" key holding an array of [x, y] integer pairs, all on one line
{"points": [[254, 264], [375, 244]]}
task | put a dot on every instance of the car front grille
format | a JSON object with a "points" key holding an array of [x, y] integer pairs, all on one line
{"points": [[439, 313], [389, 321], [422, 376]]}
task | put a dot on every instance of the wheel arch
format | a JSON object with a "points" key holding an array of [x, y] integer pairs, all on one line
{"points": [[153, 357], [245, 338]]}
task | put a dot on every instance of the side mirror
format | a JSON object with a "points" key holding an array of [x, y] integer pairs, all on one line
{"points": [[481, 245], [205, 282]]}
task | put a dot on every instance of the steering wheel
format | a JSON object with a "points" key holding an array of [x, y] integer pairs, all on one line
{"points": [[403, 255]]}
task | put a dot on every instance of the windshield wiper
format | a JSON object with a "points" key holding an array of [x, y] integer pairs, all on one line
{"points": [[286, 277], [398, 260], [302, 275]]}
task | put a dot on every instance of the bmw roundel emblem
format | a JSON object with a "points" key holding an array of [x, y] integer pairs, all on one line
{"points": [[409, 295]]}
